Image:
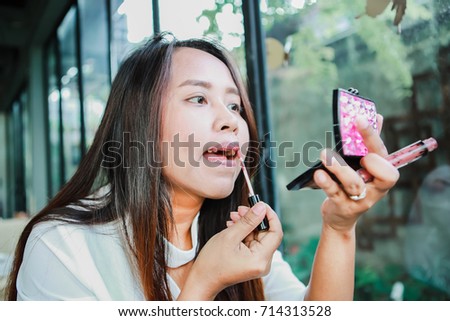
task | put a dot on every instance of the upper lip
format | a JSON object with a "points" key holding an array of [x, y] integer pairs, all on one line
{"points": [[229, 149]]}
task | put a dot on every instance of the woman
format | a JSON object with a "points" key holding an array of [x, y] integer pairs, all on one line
{"points": [[147, 214]]}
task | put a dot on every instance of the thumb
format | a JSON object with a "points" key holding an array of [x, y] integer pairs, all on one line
{"points": [[249, 221]]}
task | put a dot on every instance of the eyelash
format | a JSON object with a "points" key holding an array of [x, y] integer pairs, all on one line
{"points": [[238, 107], [201, 100], [194, 99]]}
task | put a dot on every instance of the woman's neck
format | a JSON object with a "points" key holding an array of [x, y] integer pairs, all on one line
{"points": [[184, 208]]}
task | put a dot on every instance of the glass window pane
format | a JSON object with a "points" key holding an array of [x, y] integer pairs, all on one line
{"points": [[27, 151], [186, 25], [18, 158], [11, 163], [316, 46], [53, 101], [213, 19], [94, 62], [131, 25], [70, 97], [4, 155]]}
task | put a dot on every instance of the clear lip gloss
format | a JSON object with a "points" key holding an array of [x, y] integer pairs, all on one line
{"points": [[405, 156], [400, 158], [252, 198]]}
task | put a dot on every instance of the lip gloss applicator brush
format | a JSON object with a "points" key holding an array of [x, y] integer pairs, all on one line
{"points": [[252, 198]]}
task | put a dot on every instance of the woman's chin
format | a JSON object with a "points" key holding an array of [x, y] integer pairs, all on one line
{"points": [[216, 194]]}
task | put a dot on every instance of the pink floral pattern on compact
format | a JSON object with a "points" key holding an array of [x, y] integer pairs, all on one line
{"points": [[350, 106]]}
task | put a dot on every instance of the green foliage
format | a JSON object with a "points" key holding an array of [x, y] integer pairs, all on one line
{"points": [[313, 59], [370, 283], [390, 54], [301, 260], [314, 28], [213, 28]]}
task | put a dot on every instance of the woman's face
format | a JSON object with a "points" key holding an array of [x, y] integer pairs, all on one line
{"points": [[202, 126]]}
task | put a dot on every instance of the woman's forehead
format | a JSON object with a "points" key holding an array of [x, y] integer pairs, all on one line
{"points": [[190, 63]]}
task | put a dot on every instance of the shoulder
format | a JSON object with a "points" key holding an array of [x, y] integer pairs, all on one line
{"points": [[281, 283], [73, 239], [61, 232], [78, 256]]}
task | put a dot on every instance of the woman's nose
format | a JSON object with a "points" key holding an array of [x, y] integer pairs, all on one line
{"points": [[225, 119]]}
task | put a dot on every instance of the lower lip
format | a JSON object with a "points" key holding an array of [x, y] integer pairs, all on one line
{"points": [[216, 161]]}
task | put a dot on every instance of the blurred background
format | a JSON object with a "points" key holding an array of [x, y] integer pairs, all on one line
{"points": [[58, 57]]}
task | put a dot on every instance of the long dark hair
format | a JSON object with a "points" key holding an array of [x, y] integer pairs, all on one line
{"points": [[138, 196]]}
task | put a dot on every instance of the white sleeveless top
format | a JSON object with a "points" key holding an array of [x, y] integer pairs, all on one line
{"points": [[71, 262]]}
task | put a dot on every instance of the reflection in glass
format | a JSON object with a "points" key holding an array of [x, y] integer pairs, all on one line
{"points": [[70, 99], [131, 25], [28, 166], [405, 74], [18, 156], [213, 19], [139, 26], [223, 21], [53, 101], [186, 25], [94, 62]]}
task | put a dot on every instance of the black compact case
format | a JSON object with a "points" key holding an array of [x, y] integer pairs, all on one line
{"points": [[347, 105]]}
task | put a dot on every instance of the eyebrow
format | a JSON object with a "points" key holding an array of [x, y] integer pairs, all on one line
{"points": [[207, 85]]}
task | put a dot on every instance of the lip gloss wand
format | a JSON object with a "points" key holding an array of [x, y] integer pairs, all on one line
{"points": [[253, 198], [405, 156]]}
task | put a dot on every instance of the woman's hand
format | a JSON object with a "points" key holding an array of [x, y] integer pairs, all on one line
{"points": [[332, 276], [234, 255], [339, 211]]}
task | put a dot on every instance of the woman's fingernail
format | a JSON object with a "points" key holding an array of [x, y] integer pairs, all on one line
{"points": [[326, 156], [259, 209], [320, 177], [334, 161], [242, 209]]}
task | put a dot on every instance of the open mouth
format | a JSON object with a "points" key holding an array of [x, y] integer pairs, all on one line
{"points": [[221, 154]]}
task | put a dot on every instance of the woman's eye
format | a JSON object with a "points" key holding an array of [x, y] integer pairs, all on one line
{"points": [[235, 107], [198, 100]]}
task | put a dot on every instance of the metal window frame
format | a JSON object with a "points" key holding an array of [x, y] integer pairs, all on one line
{"points": [[18, 148], [156, 20], [78, 52], [255, 51]]}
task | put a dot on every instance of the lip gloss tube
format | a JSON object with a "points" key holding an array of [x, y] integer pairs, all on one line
{"points": [[253, 198], [399, 159], [405, 156]]}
